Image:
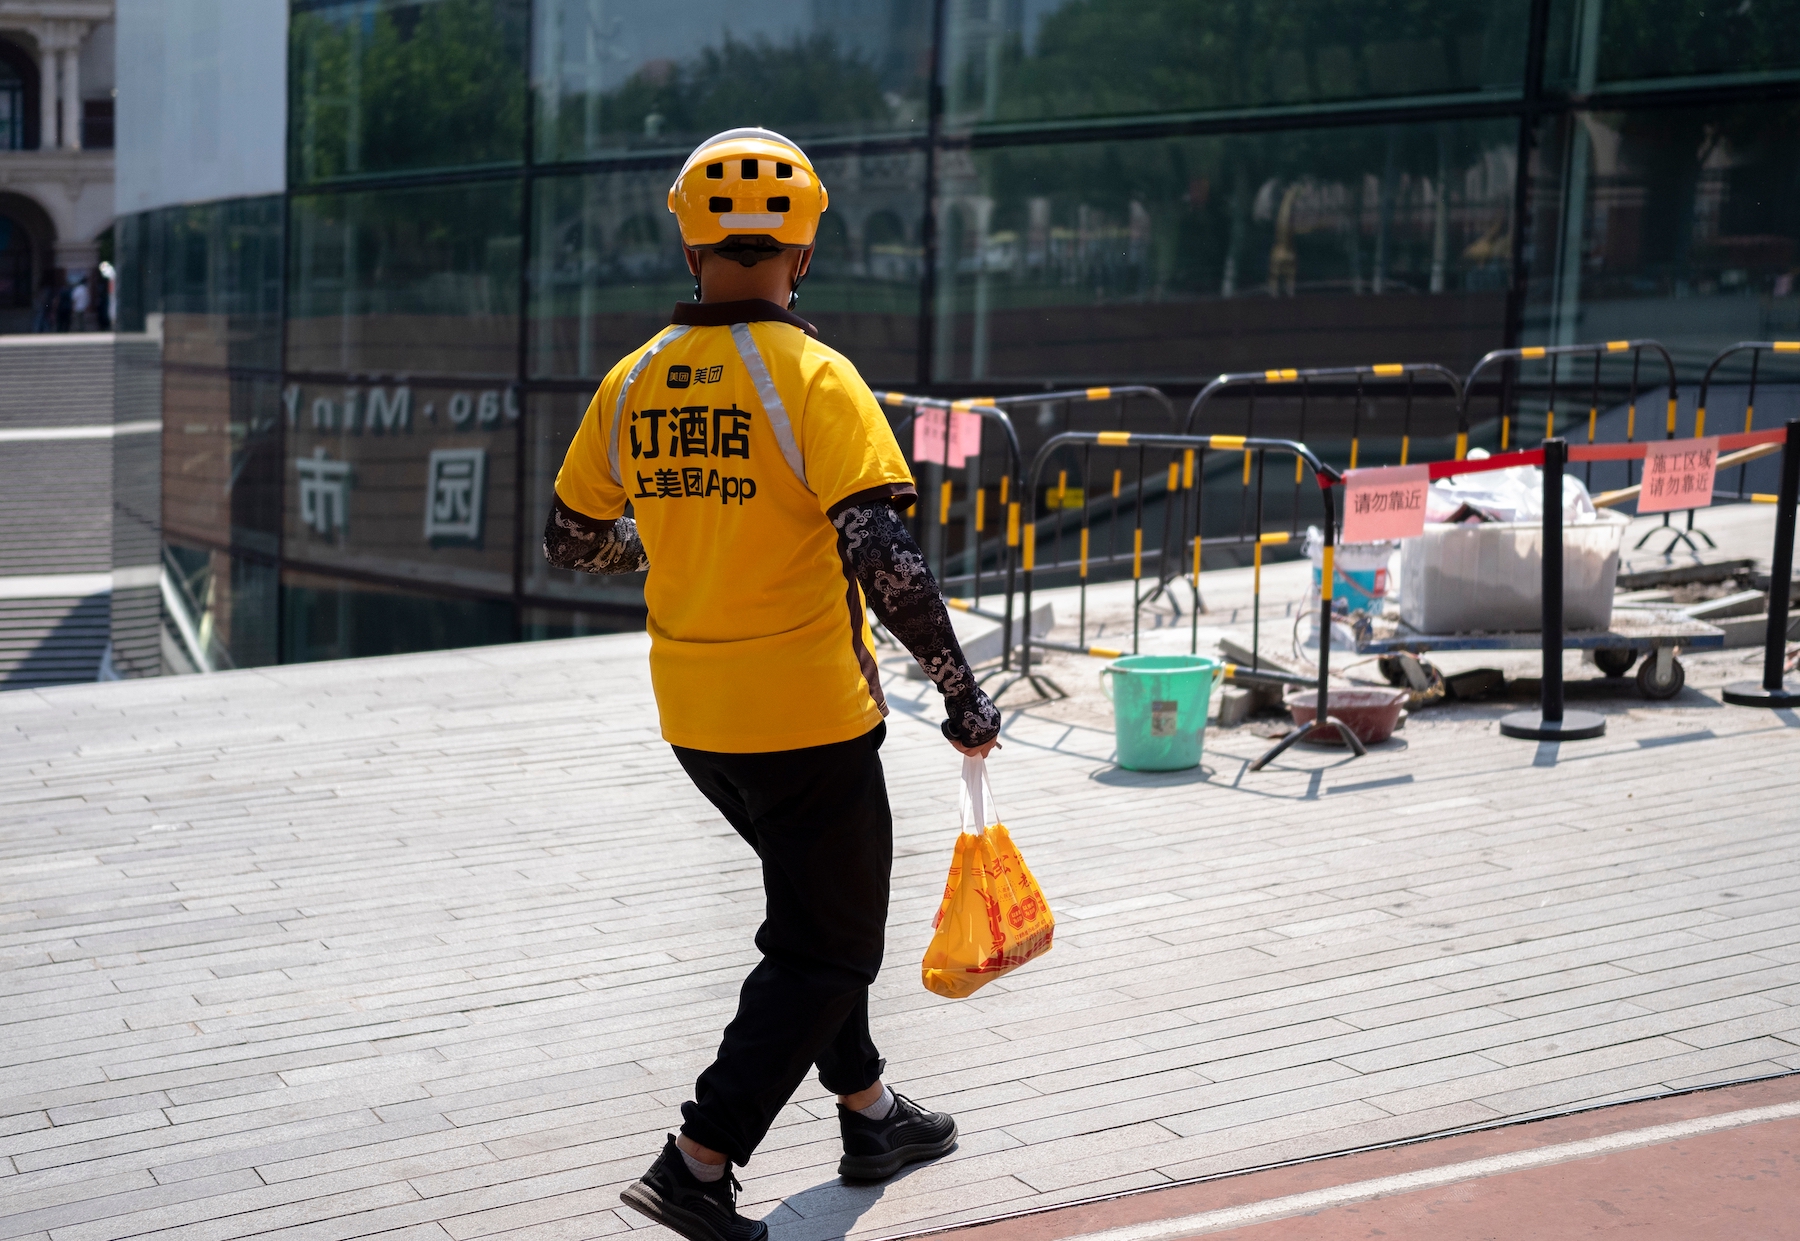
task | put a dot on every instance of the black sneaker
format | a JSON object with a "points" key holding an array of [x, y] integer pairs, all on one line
{"points": [[876, 1149], [699, 1210]]}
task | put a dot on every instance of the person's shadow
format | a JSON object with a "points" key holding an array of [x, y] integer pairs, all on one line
{"points": [[829, 1210]]}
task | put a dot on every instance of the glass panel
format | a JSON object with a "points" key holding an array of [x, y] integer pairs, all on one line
{"points": [[1597, 42], [221, 459], [327, 618], [384, 85], [1677, 224], [540, 624], [213, 273], [1178, 259], [1045, 59], [404, 481], [551, 425], [617, 74], [230, 604], [607, 266], [404, 281]]}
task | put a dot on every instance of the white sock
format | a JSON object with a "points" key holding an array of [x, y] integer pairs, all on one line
{"points": [[881, 1108], [707, 1172]]}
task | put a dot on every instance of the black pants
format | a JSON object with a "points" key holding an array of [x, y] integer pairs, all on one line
{"points": [[819, 820]]}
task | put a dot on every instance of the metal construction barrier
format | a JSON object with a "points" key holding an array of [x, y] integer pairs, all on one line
{"points": [[1182, 449], [995, 408], [1598, 352], [1555, 354], [1775, 689], [1368, 383], [1755, 348], [1072, 510], [1383, 372], [1007, 546]]}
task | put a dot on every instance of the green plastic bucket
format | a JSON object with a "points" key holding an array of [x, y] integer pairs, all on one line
{"points": [[1159, 708]]}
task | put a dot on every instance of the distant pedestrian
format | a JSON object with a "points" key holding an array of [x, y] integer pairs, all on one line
{"points": [[65, 308], [80, 302]]}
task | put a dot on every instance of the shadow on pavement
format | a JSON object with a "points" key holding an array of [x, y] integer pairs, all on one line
{"points": [[830, 1209]]}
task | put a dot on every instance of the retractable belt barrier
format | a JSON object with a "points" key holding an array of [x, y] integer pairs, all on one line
{"points": [[1552, 721]]}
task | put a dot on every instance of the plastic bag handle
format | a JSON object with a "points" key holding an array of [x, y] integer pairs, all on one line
{"points": [[978, 796]]}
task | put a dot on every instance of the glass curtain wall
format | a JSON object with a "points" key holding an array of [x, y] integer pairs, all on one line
{"points": [[376, 375], [204, 284]]}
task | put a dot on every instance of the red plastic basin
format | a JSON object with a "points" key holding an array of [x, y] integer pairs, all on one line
{"points": [[1370, 713]]}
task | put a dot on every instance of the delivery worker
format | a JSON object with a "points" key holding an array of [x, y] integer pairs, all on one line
{"points": [[768, 489]]}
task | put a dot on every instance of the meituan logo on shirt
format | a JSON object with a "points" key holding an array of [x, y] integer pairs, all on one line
{"points": [[681, 376]]}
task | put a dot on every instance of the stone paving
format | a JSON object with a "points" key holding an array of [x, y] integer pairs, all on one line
{"points": [[433, 946]]}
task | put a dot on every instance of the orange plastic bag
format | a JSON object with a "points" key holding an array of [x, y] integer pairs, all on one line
{"points": [[993, 917]]}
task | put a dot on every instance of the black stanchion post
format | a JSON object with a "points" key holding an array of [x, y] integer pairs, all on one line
{"points": [[1550, 722], [1776, 689], [1322, 718]]}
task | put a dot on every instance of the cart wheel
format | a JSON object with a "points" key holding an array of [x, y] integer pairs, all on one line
{"points": [[1615, 662], [1666, 688], [1390, 669]]}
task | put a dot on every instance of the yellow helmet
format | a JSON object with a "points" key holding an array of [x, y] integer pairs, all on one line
{"points": [[750, 183]]}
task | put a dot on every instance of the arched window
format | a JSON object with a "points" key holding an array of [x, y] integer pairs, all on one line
{"points": [[12, 109]]}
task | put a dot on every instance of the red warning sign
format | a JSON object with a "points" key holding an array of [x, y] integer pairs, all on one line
{"points": [[1678, 474]]}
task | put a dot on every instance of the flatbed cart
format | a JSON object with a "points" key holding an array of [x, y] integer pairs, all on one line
{"points": [[1653, 633]]}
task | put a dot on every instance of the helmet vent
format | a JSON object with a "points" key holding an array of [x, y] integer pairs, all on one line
{"points": [[779, 203], [715, 172], [783, 172], [749, 170], [718, 204]]}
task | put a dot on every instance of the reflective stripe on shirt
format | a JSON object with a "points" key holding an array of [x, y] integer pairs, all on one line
{"points": [[612, 445], [771, 400]]}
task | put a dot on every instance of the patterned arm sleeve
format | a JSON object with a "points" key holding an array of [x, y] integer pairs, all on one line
{"points": [[575, 541], [882, 555]]}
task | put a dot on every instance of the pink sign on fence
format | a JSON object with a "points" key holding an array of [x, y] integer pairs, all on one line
{"points": [[1678, 474], [928, 436], [1385, 503]]}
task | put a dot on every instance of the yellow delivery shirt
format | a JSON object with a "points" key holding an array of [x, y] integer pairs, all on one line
{"points": [[733, 434]]}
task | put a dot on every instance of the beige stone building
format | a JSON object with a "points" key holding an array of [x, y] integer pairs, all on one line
{"points": [[56, 146]]}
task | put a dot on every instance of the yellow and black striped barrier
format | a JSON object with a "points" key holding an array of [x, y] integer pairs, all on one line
{"points": [[1305, 377], [989, 412], [1756, 349], [1555, 355]]}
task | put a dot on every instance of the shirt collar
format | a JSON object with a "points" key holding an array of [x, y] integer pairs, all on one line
{"points": [[724, 314]]}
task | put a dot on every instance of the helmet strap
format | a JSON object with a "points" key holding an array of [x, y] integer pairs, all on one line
{"points": [[794, 293]]}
